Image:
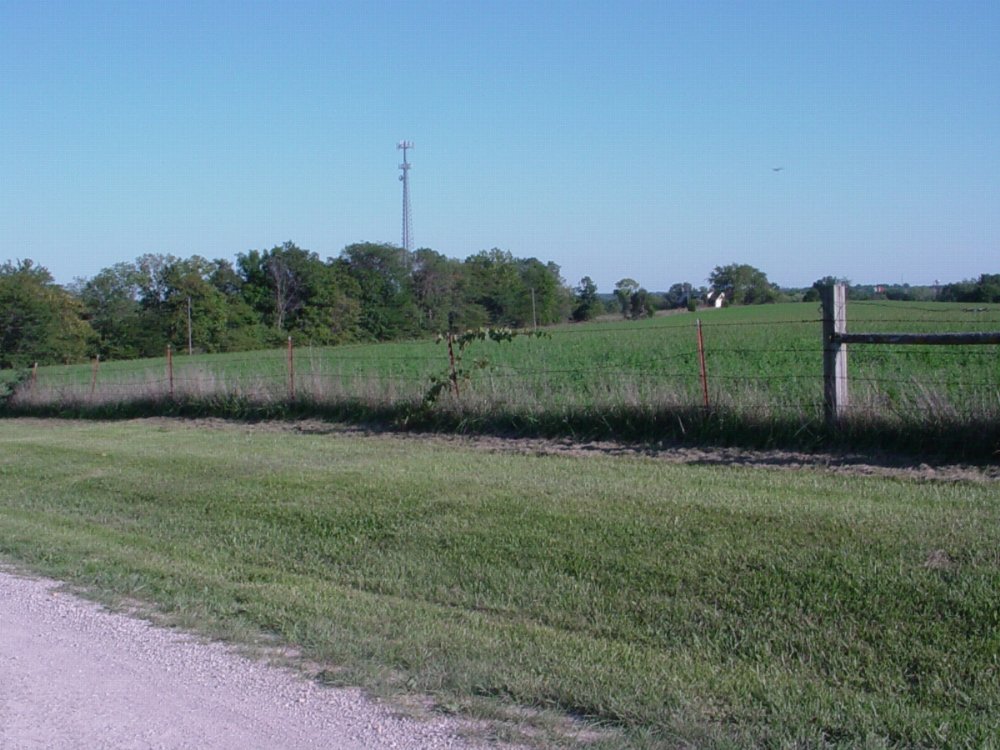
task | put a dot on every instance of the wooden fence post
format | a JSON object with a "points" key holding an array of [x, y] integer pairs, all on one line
{"points": [[701, 362], [170, 371], [835, 392], [451, 361], [34, 376], [291, 371], [93, 375]]}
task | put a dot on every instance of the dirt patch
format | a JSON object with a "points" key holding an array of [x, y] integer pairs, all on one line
{"points": [[862, 464], [939, 560]]}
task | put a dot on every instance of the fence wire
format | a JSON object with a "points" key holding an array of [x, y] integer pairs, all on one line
{"points": [[766, 365]]}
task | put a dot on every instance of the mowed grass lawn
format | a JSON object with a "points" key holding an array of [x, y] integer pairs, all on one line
{"points": [[672, 605]]}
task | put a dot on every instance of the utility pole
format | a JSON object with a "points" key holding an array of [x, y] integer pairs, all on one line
{"points": [[190, 340], [405, 179]]}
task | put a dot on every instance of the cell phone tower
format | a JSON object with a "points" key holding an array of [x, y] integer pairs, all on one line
{"points": [[405, 179]]}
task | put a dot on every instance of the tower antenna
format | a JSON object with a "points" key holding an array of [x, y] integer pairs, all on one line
{"points": [[405, 179]]}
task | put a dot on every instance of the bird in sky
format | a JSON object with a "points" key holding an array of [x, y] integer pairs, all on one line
{"points": [[776, 169]]}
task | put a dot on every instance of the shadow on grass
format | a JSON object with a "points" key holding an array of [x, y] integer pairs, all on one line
{"points": [[975, 440]]}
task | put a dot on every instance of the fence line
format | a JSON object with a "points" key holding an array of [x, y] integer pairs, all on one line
{"points": [[836, 386], [688, 365]]}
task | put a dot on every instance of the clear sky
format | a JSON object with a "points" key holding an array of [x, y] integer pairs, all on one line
{"points": [[616, 139]]}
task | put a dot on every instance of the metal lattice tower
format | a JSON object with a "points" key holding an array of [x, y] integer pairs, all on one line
{"points": [[405, 179]]}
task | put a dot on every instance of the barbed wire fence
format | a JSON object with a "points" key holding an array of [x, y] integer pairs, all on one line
{"points": [[763, 368]]}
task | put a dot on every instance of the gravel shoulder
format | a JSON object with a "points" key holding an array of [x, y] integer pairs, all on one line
{"points": [[74, 675]]}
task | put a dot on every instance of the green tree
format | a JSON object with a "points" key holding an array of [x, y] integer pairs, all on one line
{"points": [[642, 304], [440, 290], [278, 283], [333, 312], [743, 284], [989, 287], [244, 329], [679, 295], [813, 293], [193, 305], [152, 270], [985, 289], [495, 286], [625, 289], [543, 297], [381, 274], [39, 320], [587, 304], [294, 292], [111, 301]]}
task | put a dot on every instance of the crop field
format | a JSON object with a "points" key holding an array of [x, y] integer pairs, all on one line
{"points": [[637, 379], [657, 605]]}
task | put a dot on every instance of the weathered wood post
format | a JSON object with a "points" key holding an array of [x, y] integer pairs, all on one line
{"points": [[835, 393], [93, 375], [291, 371], [701, 362], [170, 371], [451, 364]]}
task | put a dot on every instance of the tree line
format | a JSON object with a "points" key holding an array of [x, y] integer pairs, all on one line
{"points": [[370, 292]]}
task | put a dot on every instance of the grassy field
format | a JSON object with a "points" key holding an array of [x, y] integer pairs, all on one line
{"points": [[666, 605], [637, 380]]}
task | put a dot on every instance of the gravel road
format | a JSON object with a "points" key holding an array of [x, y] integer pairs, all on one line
{"points": [[74, 675]]}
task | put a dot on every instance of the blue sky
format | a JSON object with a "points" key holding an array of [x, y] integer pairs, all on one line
{"points": [[616, 139]]}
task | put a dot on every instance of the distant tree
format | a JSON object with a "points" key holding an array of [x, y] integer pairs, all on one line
{"points": [[587, 303], [293, 292], [332, 314], [743, 284], [278, 283], [642, 304], [985, 289], [173, 291], [39, 320], [193, 297], [989, 287], [137, 308], [624, 291], [244, 328], [111, 301], [812, 294], [496, 288], [381, 274], [959, 291], [543, 296], [438, 289], [151, 276], [678, 295], [656, 301]]}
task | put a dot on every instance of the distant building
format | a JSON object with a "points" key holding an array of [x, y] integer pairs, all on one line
{"points": [[715, 299]]}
